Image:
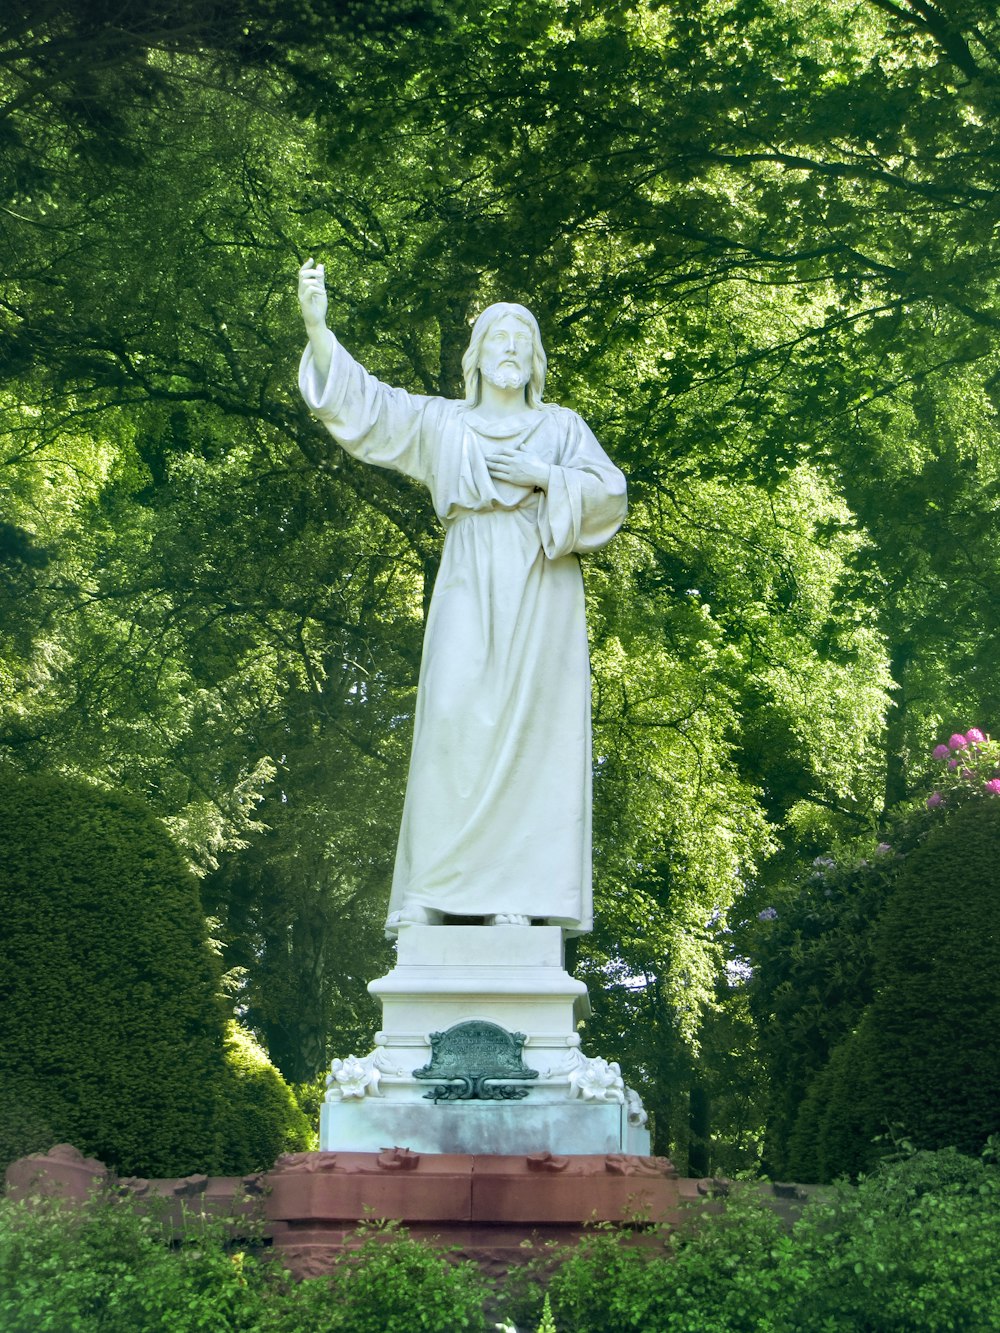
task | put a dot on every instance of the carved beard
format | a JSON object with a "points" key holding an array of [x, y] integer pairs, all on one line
{"points": [[503, 377]]}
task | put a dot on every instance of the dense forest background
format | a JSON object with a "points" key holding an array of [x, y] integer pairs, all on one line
{"points": [[761, 241]]}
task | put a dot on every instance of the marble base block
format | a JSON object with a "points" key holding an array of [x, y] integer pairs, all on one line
{"points": [[508, 1128], [510, 976]]}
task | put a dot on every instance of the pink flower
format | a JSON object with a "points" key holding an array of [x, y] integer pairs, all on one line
{"points": [[957, 742], [953, 764], [993, 786], [934, 799], [974, 736], [967, 773], [941, 752]]}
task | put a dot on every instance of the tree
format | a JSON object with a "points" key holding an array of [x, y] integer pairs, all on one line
{"points": [[754, 235]]}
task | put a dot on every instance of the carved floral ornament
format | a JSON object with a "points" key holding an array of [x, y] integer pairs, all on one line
{"points": [[354, 1078]]}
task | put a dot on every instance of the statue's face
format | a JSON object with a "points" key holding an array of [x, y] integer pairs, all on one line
{"points": [[505, 359]]}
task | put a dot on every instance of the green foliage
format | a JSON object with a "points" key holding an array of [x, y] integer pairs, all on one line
{"points": [[839, 1127], [937, 1005], [108, 1267], [912, 1248], [111, 1267], [110, 1026], [389, 1284], [924, 1061], [812, 975], [260, 1117], [548, 1323], [759, 241], [713, 1277]]}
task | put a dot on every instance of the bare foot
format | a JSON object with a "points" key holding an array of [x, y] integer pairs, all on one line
{"points": [[412, 916], [509, 919]]}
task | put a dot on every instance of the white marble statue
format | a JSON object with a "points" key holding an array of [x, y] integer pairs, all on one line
{"points": [[496, 821]]}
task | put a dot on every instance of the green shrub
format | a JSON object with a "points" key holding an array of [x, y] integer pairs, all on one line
{"points": [[107, 1268], [599, 1286], [111, 1031], [924, 1062], [936, 1012], [840, 1120], [717, 1275], [812, 978], [260, 1117], [389, 1284], [915, 1248]]}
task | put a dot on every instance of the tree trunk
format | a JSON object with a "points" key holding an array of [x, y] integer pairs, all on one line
{"points": [[901, 654]]}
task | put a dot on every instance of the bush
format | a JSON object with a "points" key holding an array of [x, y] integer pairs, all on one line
{"points": [[715, 1276], [915, 1248], [812, 978], [924, 1062], [111, 1032], [936, 1012], [840, 1120], [107, 1268], [260, 1117], [389, 1284]]}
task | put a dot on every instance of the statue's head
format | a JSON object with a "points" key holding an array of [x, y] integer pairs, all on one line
{"points": [[478, 351]]}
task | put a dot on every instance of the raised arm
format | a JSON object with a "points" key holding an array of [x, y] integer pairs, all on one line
{"points": [[313, 302], [372, 421]]}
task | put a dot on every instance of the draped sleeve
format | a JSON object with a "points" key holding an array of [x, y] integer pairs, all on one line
{"points": [[586, 501], [371, 420]]}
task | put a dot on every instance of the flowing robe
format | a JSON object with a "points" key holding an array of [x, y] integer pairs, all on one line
{"points": [[497, 816]]}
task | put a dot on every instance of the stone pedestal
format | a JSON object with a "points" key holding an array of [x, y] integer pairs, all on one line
{"points": [[488, 1207], [509, 976]]}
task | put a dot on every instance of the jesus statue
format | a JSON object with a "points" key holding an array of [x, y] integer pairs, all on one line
{"points": [[497, 816]]}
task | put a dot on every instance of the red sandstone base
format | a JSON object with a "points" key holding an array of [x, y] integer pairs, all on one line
{"points": [[485, 1206]]}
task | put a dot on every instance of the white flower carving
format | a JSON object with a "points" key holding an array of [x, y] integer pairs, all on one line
{"points": [[595, 1080], [354, 1078]]}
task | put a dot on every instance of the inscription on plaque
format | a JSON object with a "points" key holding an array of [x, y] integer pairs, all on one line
{"points": [[476, 1061]]}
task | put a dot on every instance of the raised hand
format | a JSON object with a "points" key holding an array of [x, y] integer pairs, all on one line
{"points": [[312, 299], [312, 295]]}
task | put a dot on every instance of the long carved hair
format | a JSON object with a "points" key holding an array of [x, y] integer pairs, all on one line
{"points": [[482, 326]]}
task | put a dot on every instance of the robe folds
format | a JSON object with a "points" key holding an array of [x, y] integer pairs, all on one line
{"points": [[497, 815]]}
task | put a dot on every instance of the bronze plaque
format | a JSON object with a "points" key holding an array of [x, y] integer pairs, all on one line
{"points": [[476, 1061]]}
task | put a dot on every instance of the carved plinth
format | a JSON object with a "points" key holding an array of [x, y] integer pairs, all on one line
{"points": [[451, 988]]}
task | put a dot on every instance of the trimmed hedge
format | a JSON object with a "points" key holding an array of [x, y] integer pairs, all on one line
{"points": [[841, 1114], [111, 1027], [936, 1014], [924, 1063]]}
